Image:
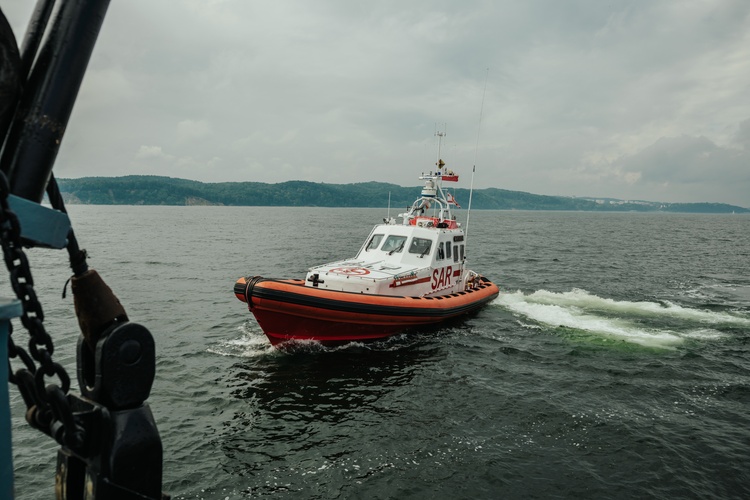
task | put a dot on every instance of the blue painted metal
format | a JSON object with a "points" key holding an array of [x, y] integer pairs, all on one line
{"points": [[40, 226], [8, 309]]}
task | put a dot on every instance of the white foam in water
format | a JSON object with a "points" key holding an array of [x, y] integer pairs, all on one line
{"points": [[584, 299], [581, 310], [248, 345]]}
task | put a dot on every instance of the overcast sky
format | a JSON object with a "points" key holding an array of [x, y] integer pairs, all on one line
{"points": [[644, 99]]}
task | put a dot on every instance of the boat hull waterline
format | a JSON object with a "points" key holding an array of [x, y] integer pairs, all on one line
{"points": [[287, 310]]}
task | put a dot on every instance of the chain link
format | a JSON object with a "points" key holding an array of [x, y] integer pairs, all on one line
{"points": [[48, 409]]}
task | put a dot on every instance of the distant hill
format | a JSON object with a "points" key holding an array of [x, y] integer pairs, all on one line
{"points": [[155, 190]]}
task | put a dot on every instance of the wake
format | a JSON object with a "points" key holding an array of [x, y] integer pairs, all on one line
{"points": [[650, 324]]}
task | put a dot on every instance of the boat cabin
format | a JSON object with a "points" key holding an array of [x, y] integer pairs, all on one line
{"points": [[422, 256], [414, 245]]}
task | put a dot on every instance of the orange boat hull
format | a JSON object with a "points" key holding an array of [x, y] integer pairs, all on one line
{"points": [[288, 310]]}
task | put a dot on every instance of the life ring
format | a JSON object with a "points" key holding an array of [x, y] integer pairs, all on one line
{"points": [[351, 271]]}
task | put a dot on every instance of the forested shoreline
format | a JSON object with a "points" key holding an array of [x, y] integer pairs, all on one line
{"points": [[156, 190]]}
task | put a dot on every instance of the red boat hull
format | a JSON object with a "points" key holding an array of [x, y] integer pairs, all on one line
{"points": [[288, 310]]}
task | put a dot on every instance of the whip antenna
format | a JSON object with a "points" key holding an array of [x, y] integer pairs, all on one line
{"points": [[476, 151]]}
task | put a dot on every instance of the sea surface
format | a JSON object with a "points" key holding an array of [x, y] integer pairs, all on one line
{"points": [[614, 364]]}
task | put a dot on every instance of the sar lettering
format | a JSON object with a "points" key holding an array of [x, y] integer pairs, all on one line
{"points": [[441, 278]]}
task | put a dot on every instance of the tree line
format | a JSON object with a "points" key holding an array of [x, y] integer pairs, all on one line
{"points": [[157, 190]]}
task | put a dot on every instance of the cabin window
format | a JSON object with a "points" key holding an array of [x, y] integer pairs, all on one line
{"points": [[394, 244], [448, 250], [374, 242], [440, 253], [420, 246], [462, 252], [455, 253]]}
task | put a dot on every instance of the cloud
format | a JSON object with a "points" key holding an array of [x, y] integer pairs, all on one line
{"points": [[152, 152], [687, 168], [742, 137], [687, 160], [190, 130], [583, 97]]}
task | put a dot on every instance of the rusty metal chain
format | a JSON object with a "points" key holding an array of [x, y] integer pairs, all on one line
{"points": [[47, 406]]}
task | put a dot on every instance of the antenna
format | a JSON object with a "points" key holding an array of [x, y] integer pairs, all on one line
{"points": [[481, 110], [476, 151], [440, 136], [468, 209]]}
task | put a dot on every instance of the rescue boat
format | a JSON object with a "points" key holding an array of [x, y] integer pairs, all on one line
{"points": [[405, 275]]}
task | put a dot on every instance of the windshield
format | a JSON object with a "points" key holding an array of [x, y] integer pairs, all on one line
{"points": [[393, 244], [420, 245], [374, 242]]}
